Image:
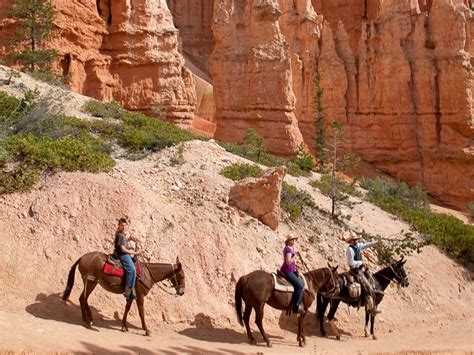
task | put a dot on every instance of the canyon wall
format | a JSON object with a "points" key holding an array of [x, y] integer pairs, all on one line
{"points": [[122, 50], [395, 74]]}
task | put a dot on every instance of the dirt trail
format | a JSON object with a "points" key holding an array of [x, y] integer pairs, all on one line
{"points": [[182, 210]]}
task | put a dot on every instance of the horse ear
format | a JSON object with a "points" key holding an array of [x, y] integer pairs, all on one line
{"points": [[177, 261], [332, 267]]}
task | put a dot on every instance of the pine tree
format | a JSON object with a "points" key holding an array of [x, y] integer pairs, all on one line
{"points": [[35, 19]]}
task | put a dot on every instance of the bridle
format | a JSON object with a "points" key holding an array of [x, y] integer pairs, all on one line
{"points": [[398, 279], [173, 276]]}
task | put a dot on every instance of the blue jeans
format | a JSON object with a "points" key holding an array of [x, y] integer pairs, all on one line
{"points": [[130, 272], [298, 285]]}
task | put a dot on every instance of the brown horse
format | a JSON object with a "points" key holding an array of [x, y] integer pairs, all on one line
{"points": [[257, 288], [90, 267]]}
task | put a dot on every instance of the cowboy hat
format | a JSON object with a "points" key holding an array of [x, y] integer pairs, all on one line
{"points": [[351, 237], [290, 237]]}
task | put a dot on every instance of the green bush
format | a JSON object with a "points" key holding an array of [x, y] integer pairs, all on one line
{"points": [[294, 200], [304, 160], [103, 109], [11, 108], [48, 76], [239, 171], [384, 189], [411, 205], [342, 187], [21, 179], [252, 149], [66, 153]]}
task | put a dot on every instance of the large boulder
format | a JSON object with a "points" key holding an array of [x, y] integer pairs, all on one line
{"points": [[260, 196]]}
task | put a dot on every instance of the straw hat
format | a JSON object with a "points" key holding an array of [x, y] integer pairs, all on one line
{"points": [[290, 237], [352, 236]]}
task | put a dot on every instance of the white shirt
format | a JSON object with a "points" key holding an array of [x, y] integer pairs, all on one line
{"points": [[353, 264]]}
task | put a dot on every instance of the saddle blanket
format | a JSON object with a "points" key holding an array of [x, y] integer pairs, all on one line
{"points": [[285, 286], [112, 269]]}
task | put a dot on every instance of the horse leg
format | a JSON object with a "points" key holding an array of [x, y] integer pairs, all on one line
{"points": [[247, 312], [141, 312], [125, 313], [86, 312], [372, 322], [331, 314], [366, 327], [258, 321], [300, 337], [91, 287], [321, 311]]}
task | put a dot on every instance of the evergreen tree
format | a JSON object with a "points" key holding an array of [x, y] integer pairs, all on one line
{"points": [[35, 20]]}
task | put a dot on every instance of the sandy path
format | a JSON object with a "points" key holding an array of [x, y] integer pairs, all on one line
{"points": [[24, 332]]}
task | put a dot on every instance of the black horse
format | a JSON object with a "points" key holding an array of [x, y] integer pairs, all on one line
{"points": [[394, 272]]}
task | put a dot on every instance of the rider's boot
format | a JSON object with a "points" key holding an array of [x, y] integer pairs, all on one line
{"points": [[129, 293]]}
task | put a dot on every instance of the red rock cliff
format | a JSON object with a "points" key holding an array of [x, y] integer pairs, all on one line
{"points": [[123, 50]]}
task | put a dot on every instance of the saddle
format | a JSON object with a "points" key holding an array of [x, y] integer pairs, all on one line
{"points": [[113, 266], [282, 284], [353, 287]]}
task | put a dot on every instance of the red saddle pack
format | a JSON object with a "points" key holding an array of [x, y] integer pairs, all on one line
{"points": [[114, 267]]}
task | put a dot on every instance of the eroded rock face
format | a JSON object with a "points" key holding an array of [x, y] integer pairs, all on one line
{"points": [[260, 196], [125, 51], [251, 71], [396, 78]]}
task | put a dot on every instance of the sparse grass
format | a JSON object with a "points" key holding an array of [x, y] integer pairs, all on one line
{"points": [[239, 171], [470, 209], [293, 201], [103, 109], [178, 158], [411, 205]]}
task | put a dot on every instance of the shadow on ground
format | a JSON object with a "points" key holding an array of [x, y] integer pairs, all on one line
{"points": [[204, 329], [52, 307]]}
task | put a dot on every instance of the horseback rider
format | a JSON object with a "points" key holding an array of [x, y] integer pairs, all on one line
{"points": [[124, 254], [360, 269], [289, 268]]}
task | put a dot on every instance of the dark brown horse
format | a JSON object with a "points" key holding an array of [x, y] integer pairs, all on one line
{"points": [[257, 288], [394, 272], [90, 267]]}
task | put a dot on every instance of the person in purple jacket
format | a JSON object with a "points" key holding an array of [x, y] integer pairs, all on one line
{"points": [[289, 268]]}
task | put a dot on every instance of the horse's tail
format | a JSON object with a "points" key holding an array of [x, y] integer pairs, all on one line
{"points": [[238, 300], [70, 280]]}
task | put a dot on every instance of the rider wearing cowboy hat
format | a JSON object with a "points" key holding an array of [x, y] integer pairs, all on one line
{"points": [[357, 266], [289, 268]]}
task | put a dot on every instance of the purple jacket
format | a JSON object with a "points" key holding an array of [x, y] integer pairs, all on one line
{"points": [[285, 267]]}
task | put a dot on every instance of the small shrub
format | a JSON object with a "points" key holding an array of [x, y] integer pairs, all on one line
{"points": [[103, 109], [294, 200], [66, 153], [411, 205], [178, 158], [4, 157], [48, 76], [239, 171], [11, 108], [304, 160], [343, 189], [21, 179]]}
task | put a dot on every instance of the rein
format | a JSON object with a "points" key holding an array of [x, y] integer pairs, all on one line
{"points": [[397, 279], [162, 281], [333, 290]]}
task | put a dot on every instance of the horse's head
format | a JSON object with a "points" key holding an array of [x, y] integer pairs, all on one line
{"points": [[399, 272], [177, 278]]}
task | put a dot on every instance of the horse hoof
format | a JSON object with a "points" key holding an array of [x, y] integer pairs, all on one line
{"points": [[253, 342], [124, 329], [374, 337], [88, 325], [301, 344], [269, 345], [338, 337], [366, 334]]}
